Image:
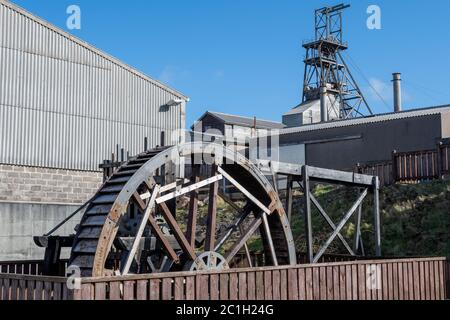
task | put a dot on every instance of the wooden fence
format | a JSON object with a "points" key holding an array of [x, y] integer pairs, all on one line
{"points": [[416, 166], [445, 159], [28, 287], [414, 279], [28, 267], [410, 167], [400, 279]]}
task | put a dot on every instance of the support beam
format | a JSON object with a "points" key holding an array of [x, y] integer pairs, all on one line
{"points": [[243, 190], [137, 239], [340, 226], [212, 213], [193, 209], [336, 176], [243, 239], [376, 212], [289, 195], [274, 179], [307, 214], [247, 251], [188, 189], [230, 202], [269, 239], [184, 243], [330, 223], [232, 228], [357, 241]]}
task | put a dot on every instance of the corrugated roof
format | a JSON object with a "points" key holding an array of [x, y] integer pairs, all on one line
{"points": [[244, 121], [369, 119], [92, 48]]}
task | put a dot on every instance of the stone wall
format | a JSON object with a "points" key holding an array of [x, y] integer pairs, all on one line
{"points": [[44, 185]]}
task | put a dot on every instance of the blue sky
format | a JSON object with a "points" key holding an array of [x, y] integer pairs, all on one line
{"points": [[245, 57]]}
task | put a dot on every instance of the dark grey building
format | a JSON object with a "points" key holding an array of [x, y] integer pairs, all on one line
{"points": [[345, 143]]}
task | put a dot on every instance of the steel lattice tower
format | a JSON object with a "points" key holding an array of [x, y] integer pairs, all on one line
{"points": [[327, 76]]}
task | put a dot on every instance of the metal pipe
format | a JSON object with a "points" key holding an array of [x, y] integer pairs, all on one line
{"points": [[323, 104], [59, 225], [397, 80]]}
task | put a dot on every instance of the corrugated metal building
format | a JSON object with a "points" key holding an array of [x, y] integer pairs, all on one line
{"points": [[64, 106]]}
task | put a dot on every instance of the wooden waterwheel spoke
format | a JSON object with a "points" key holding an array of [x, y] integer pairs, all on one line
{"points": [[193, 208], [137, 198], [243, 239], [179, 235], [238, 209], [243, 190], [232, 228], [137, 239], [212, 212]]}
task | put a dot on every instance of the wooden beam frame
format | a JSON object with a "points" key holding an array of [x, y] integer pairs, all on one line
{"points": [[330, 175], [340, 225], [331, 223]]}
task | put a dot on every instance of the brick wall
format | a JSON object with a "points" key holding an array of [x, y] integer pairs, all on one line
{"points": [[42, 185]]}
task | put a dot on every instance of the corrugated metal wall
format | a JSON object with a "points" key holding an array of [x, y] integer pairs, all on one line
{"points": [[64, 104]]}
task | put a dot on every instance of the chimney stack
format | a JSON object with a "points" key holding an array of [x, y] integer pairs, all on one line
{"points": [[397, 80], [323, 104]]}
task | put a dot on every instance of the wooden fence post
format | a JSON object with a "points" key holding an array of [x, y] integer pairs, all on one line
{"points": [[394, 167], [440, 163]]}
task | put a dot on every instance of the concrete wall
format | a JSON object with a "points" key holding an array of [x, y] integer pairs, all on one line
{"points": [[21, 221], [344, 147]]}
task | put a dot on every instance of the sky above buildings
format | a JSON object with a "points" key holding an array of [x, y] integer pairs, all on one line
{"points": [[245, 57]]}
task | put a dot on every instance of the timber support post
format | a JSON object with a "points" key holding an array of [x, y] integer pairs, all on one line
{"points": [[307, 213], [376, 212]]}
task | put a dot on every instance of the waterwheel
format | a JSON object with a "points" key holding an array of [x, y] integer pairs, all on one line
{"points": [[134, 224]]}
